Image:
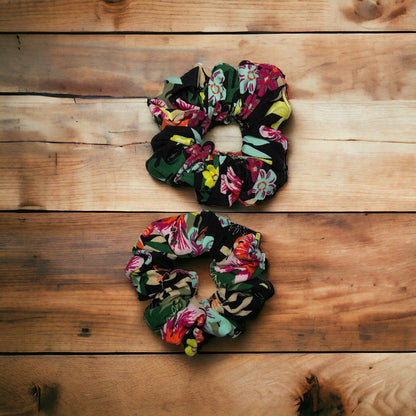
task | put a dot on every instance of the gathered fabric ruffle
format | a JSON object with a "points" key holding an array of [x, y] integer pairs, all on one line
{"points": [[253, 95], [237, 266]]}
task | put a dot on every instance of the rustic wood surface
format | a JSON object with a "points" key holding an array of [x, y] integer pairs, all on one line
{"points": [[318, 67], [203, 16], [85, 121], [69, 155], [332, 297], [338, 337], [267, 384]]}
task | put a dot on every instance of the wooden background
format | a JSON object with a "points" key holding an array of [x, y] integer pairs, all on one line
{"points": [[339, 336]]}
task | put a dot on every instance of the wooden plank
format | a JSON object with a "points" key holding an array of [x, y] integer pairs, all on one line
{"points": [[69, 120], [317, 66], [324, 175], [344, 282], [284, 384], [217, 16]]}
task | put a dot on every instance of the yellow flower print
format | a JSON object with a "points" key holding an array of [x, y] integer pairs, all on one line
{"points": [[282, 109], [184, 140], [211, 175], [237, 107]]}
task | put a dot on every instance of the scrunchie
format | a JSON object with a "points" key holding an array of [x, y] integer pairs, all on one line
{"points": [[175, 312], [255, 96]]}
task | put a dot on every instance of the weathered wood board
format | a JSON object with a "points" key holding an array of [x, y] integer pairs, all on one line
{"points": [[25, 118], [318, 67], [71, 156], [339, 335], [203, 16], [339, 384], [332, 297]]}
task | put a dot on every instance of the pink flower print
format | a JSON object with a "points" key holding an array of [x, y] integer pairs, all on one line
{"points": [[180, 244], [246, 258], [176, 327], [247, 74], [216, 113], [134, 265], [205, 124], [194, 114], [254, 166], [275, 135], [265, 184], [183, 105], [155, 107], [216, 89], [160, 227], [231, 185], [178, 239], [196, 118], [196, 155], [267, 80], [200, 243], [249, 105], [175, 229], [245, 269]]}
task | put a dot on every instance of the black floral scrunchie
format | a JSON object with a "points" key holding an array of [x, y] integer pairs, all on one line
{"points": [[256, 97], [236, 269]]}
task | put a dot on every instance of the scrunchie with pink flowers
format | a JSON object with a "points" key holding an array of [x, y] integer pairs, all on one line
{"points": [[236, 268], [253, 95]]}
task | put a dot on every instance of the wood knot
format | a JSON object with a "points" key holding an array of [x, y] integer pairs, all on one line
{"points": [[318, 400], [115, 6], [368, 9], [117, 10], [386, 10]]}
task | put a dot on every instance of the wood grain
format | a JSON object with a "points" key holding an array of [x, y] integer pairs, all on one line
{"points": [[322, 67], [344, 282], [203, 16], [324, 175], [70, 155], [345, 384], [339, 335], [120, 122]]}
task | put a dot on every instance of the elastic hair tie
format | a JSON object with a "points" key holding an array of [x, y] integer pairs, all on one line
{"points": [[237, 264], [256, 97]]}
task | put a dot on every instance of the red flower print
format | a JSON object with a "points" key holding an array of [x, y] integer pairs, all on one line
{"points": [[196, 155], [249, 105], [267, 80], [231, 185], [254, 166]]}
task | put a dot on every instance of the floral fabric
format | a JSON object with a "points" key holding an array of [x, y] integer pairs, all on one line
{"points": [[236, 269], [253, 95]]}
